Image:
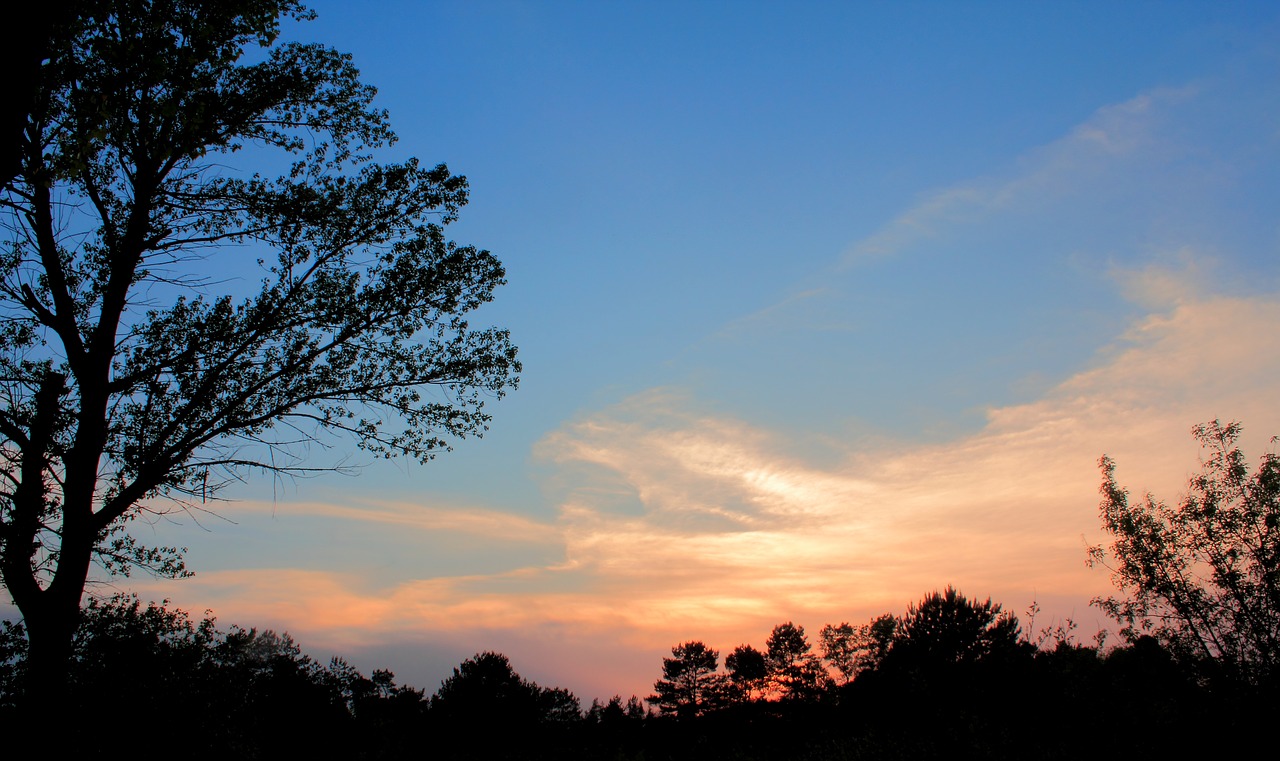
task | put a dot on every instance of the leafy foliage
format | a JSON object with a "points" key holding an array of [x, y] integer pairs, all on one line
{"points": [[794, 671], [948, 628], [852, 651], [247, 693], [690, 683], [615, 711], [1202, 576], [486, 710], [748, 672], [486, 685], [169, 324], [238, 693]]}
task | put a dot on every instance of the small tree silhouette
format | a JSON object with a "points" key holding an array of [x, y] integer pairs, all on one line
{"points": [[485, 688], [796, 672], [690, 683], [748, 672], [947, 627], [1202, 577]]}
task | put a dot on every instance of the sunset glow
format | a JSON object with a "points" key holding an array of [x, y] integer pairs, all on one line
{"points": [[811, 325]]}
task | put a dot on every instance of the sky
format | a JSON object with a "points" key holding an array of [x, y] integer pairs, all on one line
{"points": [[822, 307]]}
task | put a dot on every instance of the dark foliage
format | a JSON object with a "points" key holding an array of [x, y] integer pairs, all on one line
{"points": [[216, 694], [487, 710], [795, 673], [1203, 577], [950, 678], [133, 378], [690, 683], [748, 672], [946, 628], [241, 693]]}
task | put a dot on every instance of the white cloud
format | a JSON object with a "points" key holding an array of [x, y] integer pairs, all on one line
{"points": [[1179, 277], [993, 508], [673, 523], [493, 525], [730, 532], [1088, 160]]}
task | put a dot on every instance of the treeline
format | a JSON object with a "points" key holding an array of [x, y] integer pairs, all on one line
{"points": [[944, 629], [953, 678], [948, 678], [151, 676]]}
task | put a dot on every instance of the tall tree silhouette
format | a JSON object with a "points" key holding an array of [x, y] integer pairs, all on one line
{"points": [[128, 382], [690, 683], [796, 673], [748, 672]]}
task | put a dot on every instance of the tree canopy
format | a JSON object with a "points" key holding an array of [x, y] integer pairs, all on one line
{"points": [[170, 321], [852, 651], [947, 627], [748, 671], [795, 672], [690, 682], [1203, 576], [486, 688], [247, 693]]}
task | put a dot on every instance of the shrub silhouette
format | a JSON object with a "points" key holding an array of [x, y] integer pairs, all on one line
{"points": [[948, 628]]}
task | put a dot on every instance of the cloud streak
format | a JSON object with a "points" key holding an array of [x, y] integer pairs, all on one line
{"points": [[494, 525], [1087, 160], [671, 519], [722, 531]]}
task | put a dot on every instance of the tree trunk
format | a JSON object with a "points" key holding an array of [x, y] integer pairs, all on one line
{"points": [[51, 625]]}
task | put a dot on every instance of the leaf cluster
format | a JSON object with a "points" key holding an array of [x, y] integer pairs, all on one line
{"points": [[691, 682], [948, 628], [1202, 575], [171, 321], [235, 692]]}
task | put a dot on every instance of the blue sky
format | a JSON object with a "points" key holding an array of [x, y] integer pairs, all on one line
{"points": [[822, 306], [657, 175]]}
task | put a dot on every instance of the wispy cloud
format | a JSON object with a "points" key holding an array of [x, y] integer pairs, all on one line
{"points": [[672, 521], [798, 303], [494, 525], [1178, 277], [1103, 192], [728, 531], [1085, 160], [1004, 510]]}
